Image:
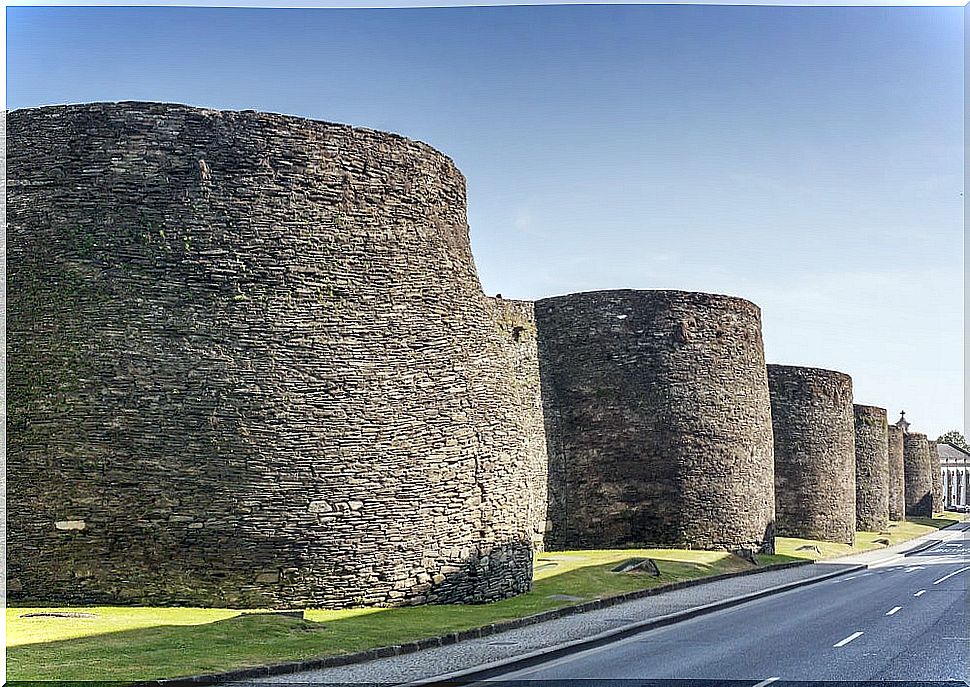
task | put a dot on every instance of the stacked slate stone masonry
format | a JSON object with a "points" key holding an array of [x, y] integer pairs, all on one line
{"points": [[897, 479], [658, 421], [919, 475], [250, 364], [516, 321], [815, 463], [937, 475], [872, 468]]}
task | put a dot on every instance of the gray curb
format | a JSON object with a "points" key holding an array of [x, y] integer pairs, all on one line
{"points": [[932, 543], [452, 637]]}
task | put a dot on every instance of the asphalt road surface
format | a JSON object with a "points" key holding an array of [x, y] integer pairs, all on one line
{"points": [[903, 620]]}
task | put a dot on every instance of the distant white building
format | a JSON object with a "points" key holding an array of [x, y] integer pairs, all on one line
{"points": [[955, 465]]}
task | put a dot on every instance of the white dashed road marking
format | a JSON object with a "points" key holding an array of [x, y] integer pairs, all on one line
{"points": [[854, 635], [765, 683], [920, 592], [895, 610], [956, 572]]}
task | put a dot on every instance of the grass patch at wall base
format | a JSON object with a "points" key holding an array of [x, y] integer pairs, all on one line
{"points": [[142, 643], [897, 532]]}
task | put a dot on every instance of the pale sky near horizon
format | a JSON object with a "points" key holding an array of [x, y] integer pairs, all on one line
{"points": [[809, 159]]}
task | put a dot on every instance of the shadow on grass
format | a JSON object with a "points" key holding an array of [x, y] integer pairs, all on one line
{"points": [[939, 521], [255, 639]]}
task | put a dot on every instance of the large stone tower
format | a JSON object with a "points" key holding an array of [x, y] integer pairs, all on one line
{"points": [[897, 479], [872, 468], [658, 420], [811, 410], [919, 475], [937, 472], [250, 363]]}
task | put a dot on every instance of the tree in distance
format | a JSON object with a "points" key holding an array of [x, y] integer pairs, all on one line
{"points": [[955, 438]]}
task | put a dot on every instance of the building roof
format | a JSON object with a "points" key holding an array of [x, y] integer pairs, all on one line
{"points": [[951, 452]]}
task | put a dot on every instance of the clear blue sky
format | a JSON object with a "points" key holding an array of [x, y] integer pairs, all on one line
{"points": [[809, 159]]}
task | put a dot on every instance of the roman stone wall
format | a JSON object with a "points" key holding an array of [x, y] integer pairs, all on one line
{"points": [[250, 364], [871, 468], [814, 433], [919, 475], [938, 502], [897, 480], [657, 420], [517, 324]]}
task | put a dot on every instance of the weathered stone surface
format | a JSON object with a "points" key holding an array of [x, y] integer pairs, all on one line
{"points": [[897, 479], [814, 431], [937, 470], [265, 325], [657, 420], [918, 469], [871, 468], [517, 323]]}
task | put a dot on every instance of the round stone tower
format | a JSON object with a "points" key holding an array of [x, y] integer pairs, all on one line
{"points": [[897, 480], [871, 468], [657, 420], [918, 469], [814, 432], [937, 472], [250, 364]]}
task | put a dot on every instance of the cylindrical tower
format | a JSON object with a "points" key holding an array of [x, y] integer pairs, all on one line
{"points": [[937, 471], [918, 469], [811, 412], [897, 480], [871, 468], [250, 364], [658, 420]]}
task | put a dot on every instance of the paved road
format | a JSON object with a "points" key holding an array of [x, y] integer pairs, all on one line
{"points": [[904, 619]]}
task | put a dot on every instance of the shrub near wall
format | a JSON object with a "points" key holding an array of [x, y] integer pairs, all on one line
{"points": [[250, 364]]}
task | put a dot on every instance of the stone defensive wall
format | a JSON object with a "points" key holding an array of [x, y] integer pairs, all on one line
{"points": [[250, 364], [814, 433], [937, 470], [918, 468], [871, 468], [517, 324], [658, 421], [897, 479]]}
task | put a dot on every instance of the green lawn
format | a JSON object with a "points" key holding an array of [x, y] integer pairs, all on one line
{"points": [[141, 643], [897, 532], [134, 643]]}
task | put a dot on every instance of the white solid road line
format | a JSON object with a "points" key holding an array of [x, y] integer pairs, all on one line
{"points": [[920, 592], [765, 683], [854, 635], [895, 610], [957, 572]]}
